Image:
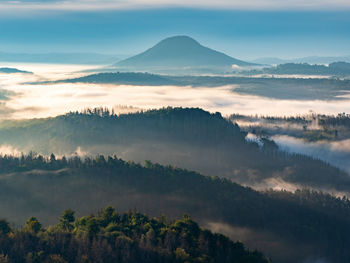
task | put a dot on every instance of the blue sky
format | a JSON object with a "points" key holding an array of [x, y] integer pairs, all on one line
{"points": [[257, 29]]}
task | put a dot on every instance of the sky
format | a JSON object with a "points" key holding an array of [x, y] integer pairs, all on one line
{"points": [[243, 29], [141, 4]]}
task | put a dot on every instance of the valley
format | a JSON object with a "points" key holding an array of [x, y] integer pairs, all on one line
{"points": [[172, 151]]}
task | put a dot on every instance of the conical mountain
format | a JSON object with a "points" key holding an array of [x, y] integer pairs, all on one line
{"points": [[181, 52]]}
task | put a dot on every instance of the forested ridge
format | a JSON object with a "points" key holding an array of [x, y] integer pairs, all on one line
{"points": [[113, 237], [280, 88], [313, 224], [138, 78], [185, 137]]}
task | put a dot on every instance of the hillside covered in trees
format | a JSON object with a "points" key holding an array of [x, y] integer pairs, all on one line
{"points": [[184, 137], [288, 227], [113, 237]]}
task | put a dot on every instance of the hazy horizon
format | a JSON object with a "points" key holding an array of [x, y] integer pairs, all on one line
{"points": [[244, 34]]}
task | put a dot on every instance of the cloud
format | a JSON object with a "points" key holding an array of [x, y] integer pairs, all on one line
{"points": [[6, 149], [5, 111], [95, 5], [336, 153]]}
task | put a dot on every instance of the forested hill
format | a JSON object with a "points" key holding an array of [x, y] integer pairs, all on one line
{"points": [[127, 78], [287, 227], [109, 237], [186, 137]]}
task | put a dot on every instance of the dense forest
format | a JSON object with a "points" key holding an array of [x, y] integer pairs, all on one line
{"points": [[185, 137], [113, 237], [288, 227]]}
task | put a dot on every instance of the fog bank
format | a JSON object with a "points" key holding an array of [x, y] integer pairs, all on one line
{"points": [[26, 100], [336, 153]]}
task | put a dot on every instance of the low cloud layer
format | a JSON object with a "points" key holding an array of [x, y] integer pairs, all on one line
{"points": [[36, 101], [336, 153]]}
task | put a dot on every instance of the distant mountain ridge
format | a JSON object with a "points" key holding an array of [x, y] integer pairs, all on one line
{"points": [[13, 70], [280, 88], [181, 52], [333, 69], [125, 78], [310, 60]]}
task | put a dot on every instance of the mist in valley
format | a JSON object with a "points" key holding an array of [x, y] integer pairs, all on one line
{"points": [[24, 98], [163, 131], [29, 126], [336, 153]]}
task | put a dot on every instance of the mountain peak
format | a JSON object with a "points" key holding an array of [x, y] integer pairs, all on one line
{"points": [[179, 40], [180, 52]]}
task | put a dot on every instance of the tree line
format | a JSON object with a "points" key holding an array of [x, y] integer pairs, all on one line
{"points": [[113, 237], [306, 218]]}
